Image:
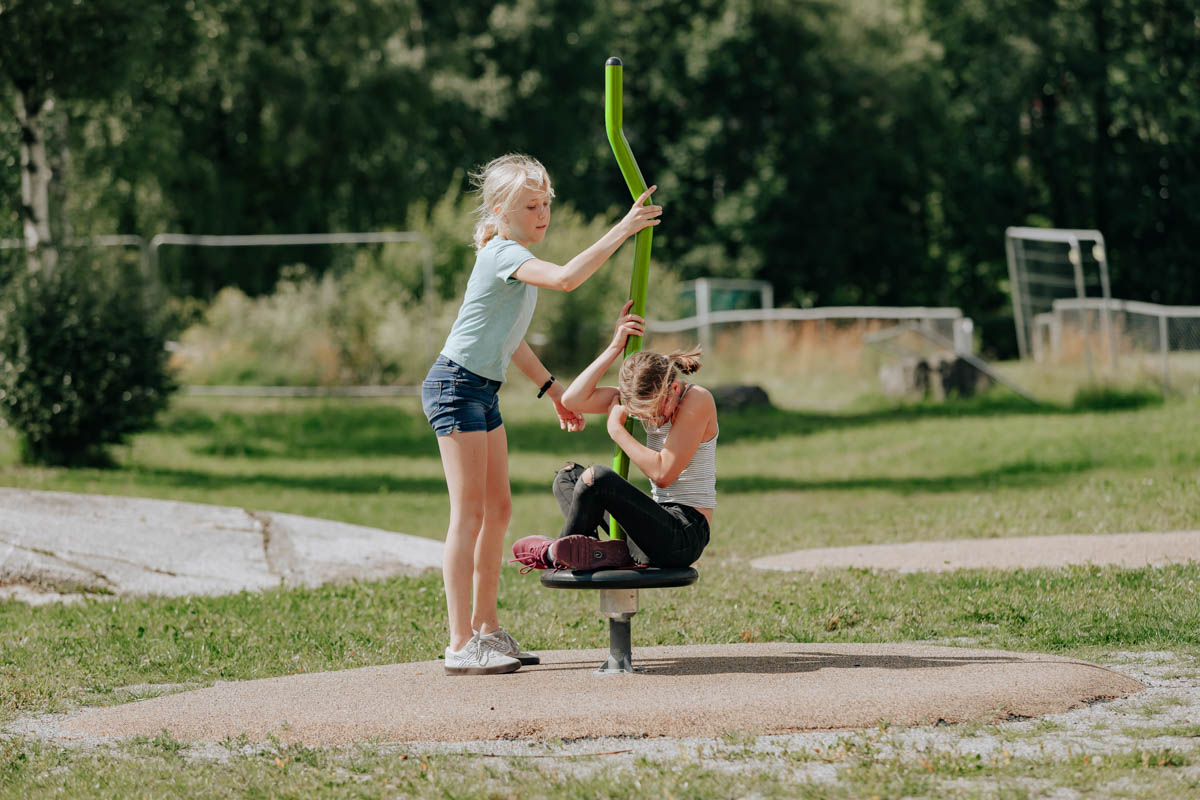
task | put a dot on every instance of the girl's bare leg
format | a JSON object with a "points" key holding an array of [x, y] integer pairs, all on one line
{"points": [[489, 549], [465, 460]]}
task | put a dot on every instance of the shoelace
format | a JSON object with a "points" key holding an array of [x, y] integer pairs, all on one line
{"points": [[528, 568], [502, 638], [480, 650], [500, 642], [525, 568]]}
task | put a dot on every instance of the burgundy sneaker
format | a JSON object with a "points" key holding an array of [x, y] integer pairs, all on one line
{"points": [[533, 552], [585, 553]]}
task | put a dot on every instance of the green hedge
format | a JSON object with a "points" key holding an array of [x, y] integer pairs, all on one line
{"points": [[83, 360]]}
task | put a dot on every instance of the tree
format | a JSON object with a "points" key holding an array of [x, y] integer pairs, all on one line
{"points": [[1074, 115], [51, 52]]}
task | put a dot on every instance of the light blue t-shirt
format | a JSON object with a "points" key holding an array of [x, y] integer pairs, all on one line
{"points": [[495, 311]]}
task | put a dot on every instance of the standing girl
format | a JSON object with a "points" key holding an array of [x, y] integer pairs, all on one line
{"points": [[671, 527], [459, 393]]}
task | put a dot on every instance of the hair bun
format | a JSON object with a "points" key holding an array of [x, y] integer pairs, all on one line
{"points": [[686, 361]]}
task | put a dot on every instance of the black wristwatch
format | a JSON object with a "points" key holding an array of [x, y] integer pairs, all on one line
{"points": [[545, 386]]}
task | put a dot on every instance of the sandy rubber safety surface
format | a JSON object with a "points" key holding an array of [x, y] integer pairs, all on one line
{"points": [[705, 690]]}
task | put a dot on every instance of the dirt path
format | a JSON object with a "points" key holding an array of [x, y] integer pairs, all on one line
{"points": [[1123, 549]]}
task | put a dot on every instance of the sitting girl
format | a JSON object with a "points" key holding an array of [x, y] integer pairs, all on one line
{"points": [[671, 527]]}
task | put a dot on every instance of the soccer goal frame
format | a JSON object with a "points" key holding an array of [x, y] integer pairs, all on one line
{"points": [[1026, 305]]}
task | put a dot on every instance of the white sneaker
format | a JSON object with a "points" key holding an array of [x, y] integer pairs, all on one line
{"points": [[500, 641], [477, 658]]}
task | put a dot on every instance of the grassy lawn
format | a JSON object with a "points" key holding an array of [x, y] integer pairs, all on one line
{"points": [[789, 478]]}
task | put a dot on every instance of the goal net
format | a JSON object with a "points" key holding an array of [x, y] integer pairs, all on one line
{"points": [[1049, 264]]}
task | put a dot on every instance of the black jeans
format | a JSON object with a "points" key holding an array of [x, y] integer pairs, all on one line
{"points": [[666, 535]]}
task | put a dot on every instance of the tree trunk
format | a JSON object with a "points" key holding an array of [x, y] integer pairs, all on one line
{"points": [[59, 158], [35, 184]]}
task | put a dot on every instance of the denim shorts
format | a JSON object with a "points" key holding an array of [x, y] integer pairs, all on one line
{"points": [[457, 400]]}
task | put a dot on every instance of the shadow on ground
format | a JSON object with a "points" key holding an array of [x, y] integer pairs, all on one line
{"points": [[345, 483], [772, 422], [1018, 474], [326, 430], [1015, 475], [778, 665]]}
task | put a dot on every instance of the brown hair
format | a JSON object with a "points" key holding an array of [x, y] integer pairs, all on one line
{"points": [[645, 378]]}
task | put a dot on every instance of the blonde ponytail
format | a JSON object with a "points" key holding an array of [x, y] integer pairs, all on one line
{"points": [[484, 231]]}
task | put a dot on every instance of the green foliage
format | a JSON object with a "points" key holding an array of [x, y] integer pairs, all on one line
{"points": [[870, 151], [82, 361], [370, 323], [10, 183], [50, 47], [349, 329]]}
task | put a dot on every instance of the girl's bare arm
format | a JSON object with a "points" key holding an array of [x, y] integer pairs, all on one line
{"points": [[528, 362], [583, 395], [688, 427], [570, 276]]}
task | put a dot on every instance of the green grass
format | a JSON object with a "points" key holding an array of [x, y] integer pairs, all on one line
{"points": [[158, 768], [789, 478], [59, 656]]}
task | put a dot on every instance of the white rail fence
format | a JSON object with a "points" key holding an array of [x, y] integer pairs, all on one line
{"points": [[1147, 336], [149, 250]]}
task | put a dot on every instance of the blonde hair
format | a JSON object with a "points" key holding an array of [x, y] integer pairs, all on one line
{"points": [[646, 377], [499, 185]]}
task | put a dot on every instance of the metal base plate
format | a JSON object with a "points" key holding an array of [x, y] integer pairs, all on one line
{"points": [[622, 666]]}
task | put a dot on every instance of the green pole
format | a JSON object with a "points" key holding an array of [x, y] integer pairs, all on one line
{"points": [[641, 245]]}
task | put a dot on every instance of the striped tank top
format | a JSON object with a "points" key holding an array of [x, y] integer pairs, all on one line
{"points": [[696, 486]]}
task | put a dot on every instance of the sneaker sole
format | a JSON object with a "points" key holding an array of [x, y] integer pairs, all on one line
{"points": [[585, 553], [498, 669], [528, 559]]}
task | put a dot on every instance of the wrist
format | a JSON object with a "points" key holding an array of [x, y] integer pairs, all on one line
{"points": [[549, 386]]}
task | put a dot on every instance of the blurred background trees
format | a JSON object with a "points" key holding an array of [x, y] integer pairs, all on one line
{"points": [[868, 151]]}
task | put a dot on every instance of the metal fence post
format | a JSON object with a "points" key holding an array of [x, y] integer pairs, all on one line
{"points": [[703, 313], [1164, 343], [1076, 258]]}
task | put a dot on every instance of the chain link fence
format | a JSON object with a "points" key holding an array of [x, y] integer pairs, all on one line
{"points": [[1148, 340], [823, 357]]}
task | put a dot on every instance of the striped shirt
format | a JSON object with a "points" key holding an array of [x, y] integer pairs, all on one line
{"points": [[696, 486]]}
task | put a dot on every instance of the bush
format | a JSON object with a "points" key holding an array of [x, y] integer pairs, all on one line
{"points": [[82, 361], [356, 328], [369, 323]]}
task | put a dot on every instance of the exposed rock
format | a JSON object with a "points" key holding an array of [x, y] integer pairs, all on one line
{"points": [[935, 376], [61, 543]]}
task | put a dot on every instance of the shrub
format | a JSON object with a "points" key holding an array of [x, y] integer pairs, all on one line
{"points": [[82, 361], [369, 323], [356, 328]]}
